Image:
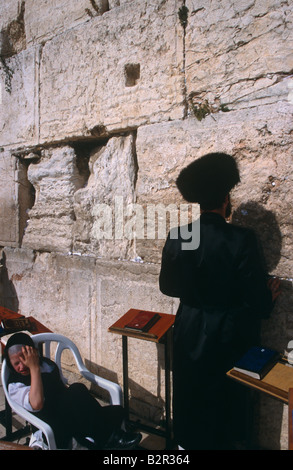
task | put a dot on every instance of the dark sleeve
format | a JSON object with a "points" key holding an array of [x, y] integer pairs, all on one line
{"points": [[169, 279], [252, 277]]}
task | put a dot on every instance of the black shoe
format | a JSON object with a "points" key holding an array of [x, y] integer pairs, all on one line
{"points": [[123, 440]]}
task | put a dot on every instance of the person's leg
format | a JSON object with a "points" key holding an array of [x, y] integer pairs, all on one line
{"points": [[87, 418]]}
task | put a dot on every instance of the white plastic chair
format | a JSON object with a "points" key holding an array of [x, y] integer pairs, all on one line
{"points": [[62, 343]]}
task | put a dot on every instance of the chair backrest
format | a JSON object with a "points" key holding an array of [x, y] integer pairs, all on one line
{"points": [[62, 343]]}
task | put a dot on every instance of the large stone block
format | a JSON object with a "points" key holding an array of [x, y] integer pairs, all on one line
{"points": [[114, 72], [18, 99], [44, 20], [15, 199], [55, 289], [8, 200], [100, 206], [55, 179], [237, 53]]}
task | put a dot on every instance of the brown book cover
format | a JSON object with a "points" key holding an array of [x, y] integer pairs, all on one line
{"points": [[143, 321]]}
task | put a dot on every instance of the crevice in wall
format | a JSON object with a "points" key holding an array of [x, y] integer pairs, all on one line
{"points": [[8, 74], [84, 148], [96, 136], [39, 53], [99, 7], [82, 152], [26, 193], [135, 160], [12, 41], [13, 38], [183, 18], [200, 106], [132, 74]]}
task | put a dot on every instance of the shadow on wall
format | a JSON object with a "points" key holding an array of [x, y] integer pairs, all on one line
{"points": [[264, 223], [268, 412], [8, 295]]}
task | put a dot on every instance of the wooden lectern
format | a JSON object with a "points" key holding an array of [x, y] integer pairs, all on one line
{"points": [[160, 332]]}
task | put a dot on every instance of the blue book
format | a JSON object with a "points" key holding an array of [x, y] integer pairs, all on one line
{"points": [[257, 362]]}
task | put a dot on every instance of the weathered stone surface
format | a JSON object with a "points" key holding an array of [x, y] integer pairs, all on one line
{"points": [[262, 147], [65, 286], [8, 200], [15, 199], [117, 3], [42, 24], [110, 96], [55, 179], [9, 12], [22, 262], [101, 205], [237, 53], [12, 29], [18, 106]]}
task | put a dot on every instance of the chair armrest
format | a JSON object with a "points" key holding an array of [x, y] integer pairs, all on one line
{"points": [[38, 423], [113, 388]]}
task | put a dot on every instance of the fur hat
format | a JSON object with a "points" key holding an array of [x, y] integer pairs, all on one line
{"points": [[208, 179]]}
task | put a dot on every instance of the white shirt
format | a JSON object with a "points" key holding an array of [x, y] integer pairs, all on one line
{"points": [[19, 392]]}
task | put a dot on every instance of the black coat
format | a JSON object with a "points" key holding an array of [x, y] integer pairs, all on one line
{"points": [[72, 411], [223, 295]]}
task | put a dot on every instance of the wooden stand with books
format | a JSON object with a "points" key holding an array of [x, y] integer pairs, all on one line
{"points": [[159, 330], [277, 383], [156, 333], [11, 322]]}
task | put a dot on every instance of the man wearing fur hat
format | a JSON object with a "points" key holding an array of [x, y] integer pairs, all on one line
{"points": [[223, 294]]}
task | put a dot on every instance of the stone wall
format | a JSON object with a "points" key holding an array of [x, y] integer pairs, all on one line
{"points": [[102, 103]]}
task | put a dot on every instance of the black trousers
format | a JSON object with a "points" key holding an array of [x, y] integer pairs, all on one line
{"points": [[76, 413]]}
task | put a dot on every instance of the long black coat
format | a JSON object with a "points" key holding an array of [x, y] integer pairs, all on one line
{"points": [[223, 295]]}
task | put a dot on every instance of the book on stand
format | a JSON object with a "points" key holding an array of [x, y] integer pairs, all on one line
{"points": [[143, 321], [12, 325], [257, 362]]}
